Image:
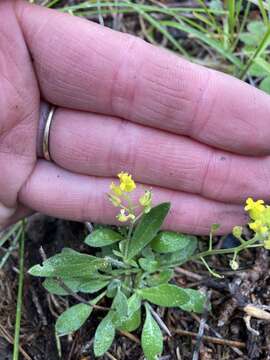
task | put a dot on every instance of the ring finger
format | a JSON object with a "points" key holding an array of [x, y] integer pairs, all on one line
{"points": [[100, 145]]}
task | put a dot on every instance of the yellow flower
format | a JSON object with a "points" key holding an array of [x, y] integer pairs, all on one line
{"points": [[255, 208], [258, 227], [116, 189], [126, 182], [265, 217]]}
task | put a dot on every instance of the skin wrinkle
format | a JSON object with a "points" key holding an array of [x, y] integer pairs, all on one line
{"points": [[199, 105], [119, 158], [206, 171], [117, 80], [6, 134], [225, 179]]}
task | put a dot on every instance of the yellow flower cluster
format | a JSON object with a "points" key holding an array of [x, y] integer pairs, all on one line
{"points": [[120, 193], [127, 184], [260, 214]]}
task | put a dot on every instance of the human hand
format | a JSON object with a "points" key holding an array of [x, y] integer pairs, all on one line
{"points": [[198, 137]]}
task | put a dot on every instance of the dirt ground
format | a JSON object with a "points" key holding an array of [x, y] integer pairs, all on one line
{"points": [[224, 336]]}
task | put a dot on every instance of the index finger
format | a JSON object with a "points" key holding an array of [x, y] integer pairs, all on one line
{"points": [[84, 66]]}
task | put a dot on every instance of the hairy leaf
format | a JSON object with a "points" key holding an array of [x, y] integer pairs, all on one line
{"points": [[147, 229], [54, 286], [196, 301], [159, 278], [152, 340], [134, 303], [149, 265], [181, 256], [120, 305], [102, 237], [165, 295], [92, 286], [169, 241], [72, 319], [68, 263], [104, 335]]}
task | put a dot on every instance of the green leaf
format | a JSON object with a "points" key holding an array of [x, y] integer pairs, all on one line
{"points": [[263, 65], [196, 301], [68, 263], [120, 305], [165, 295], [257, 70], [113, 287], [147, 229], [256, 27], [92, 286], [102, 237], [72, 319], [152, 340], [249, 39], [134, 303], [181, 256], [104, 335], [169, 241], [149, 265], [132, 323], [159, 278], [265, 85], [54, 287]]}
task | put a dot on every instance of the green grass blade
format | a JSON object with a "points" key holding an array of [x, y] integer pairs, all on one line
{"points": [[231, 18], [11, 232], [147, 8], [157, 24], [263, 12], [214, 44], [16, 347]]}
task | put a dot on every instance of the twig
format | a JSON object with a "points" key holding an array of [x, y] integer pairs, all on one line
{"points": [[9, 339], [38, 307], [201, 327], [211, 339], [188, 273], [216, 334], [160, 321], [130, 336], [110, 356]]}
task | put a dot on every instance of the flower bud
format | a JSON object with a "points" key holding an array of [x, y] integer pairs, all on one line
{"points": [[234, 265], [237, 231]]}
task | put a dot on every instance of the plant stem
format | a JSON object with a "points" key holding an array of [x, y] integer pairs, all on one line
{"points": [[237, 249], [131, 227], [19, 296], [242, 246], [261, 47]]}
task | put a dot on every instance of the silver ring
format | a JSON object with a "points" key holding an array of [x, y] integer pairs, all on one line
{"points": [[46, 135]]}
